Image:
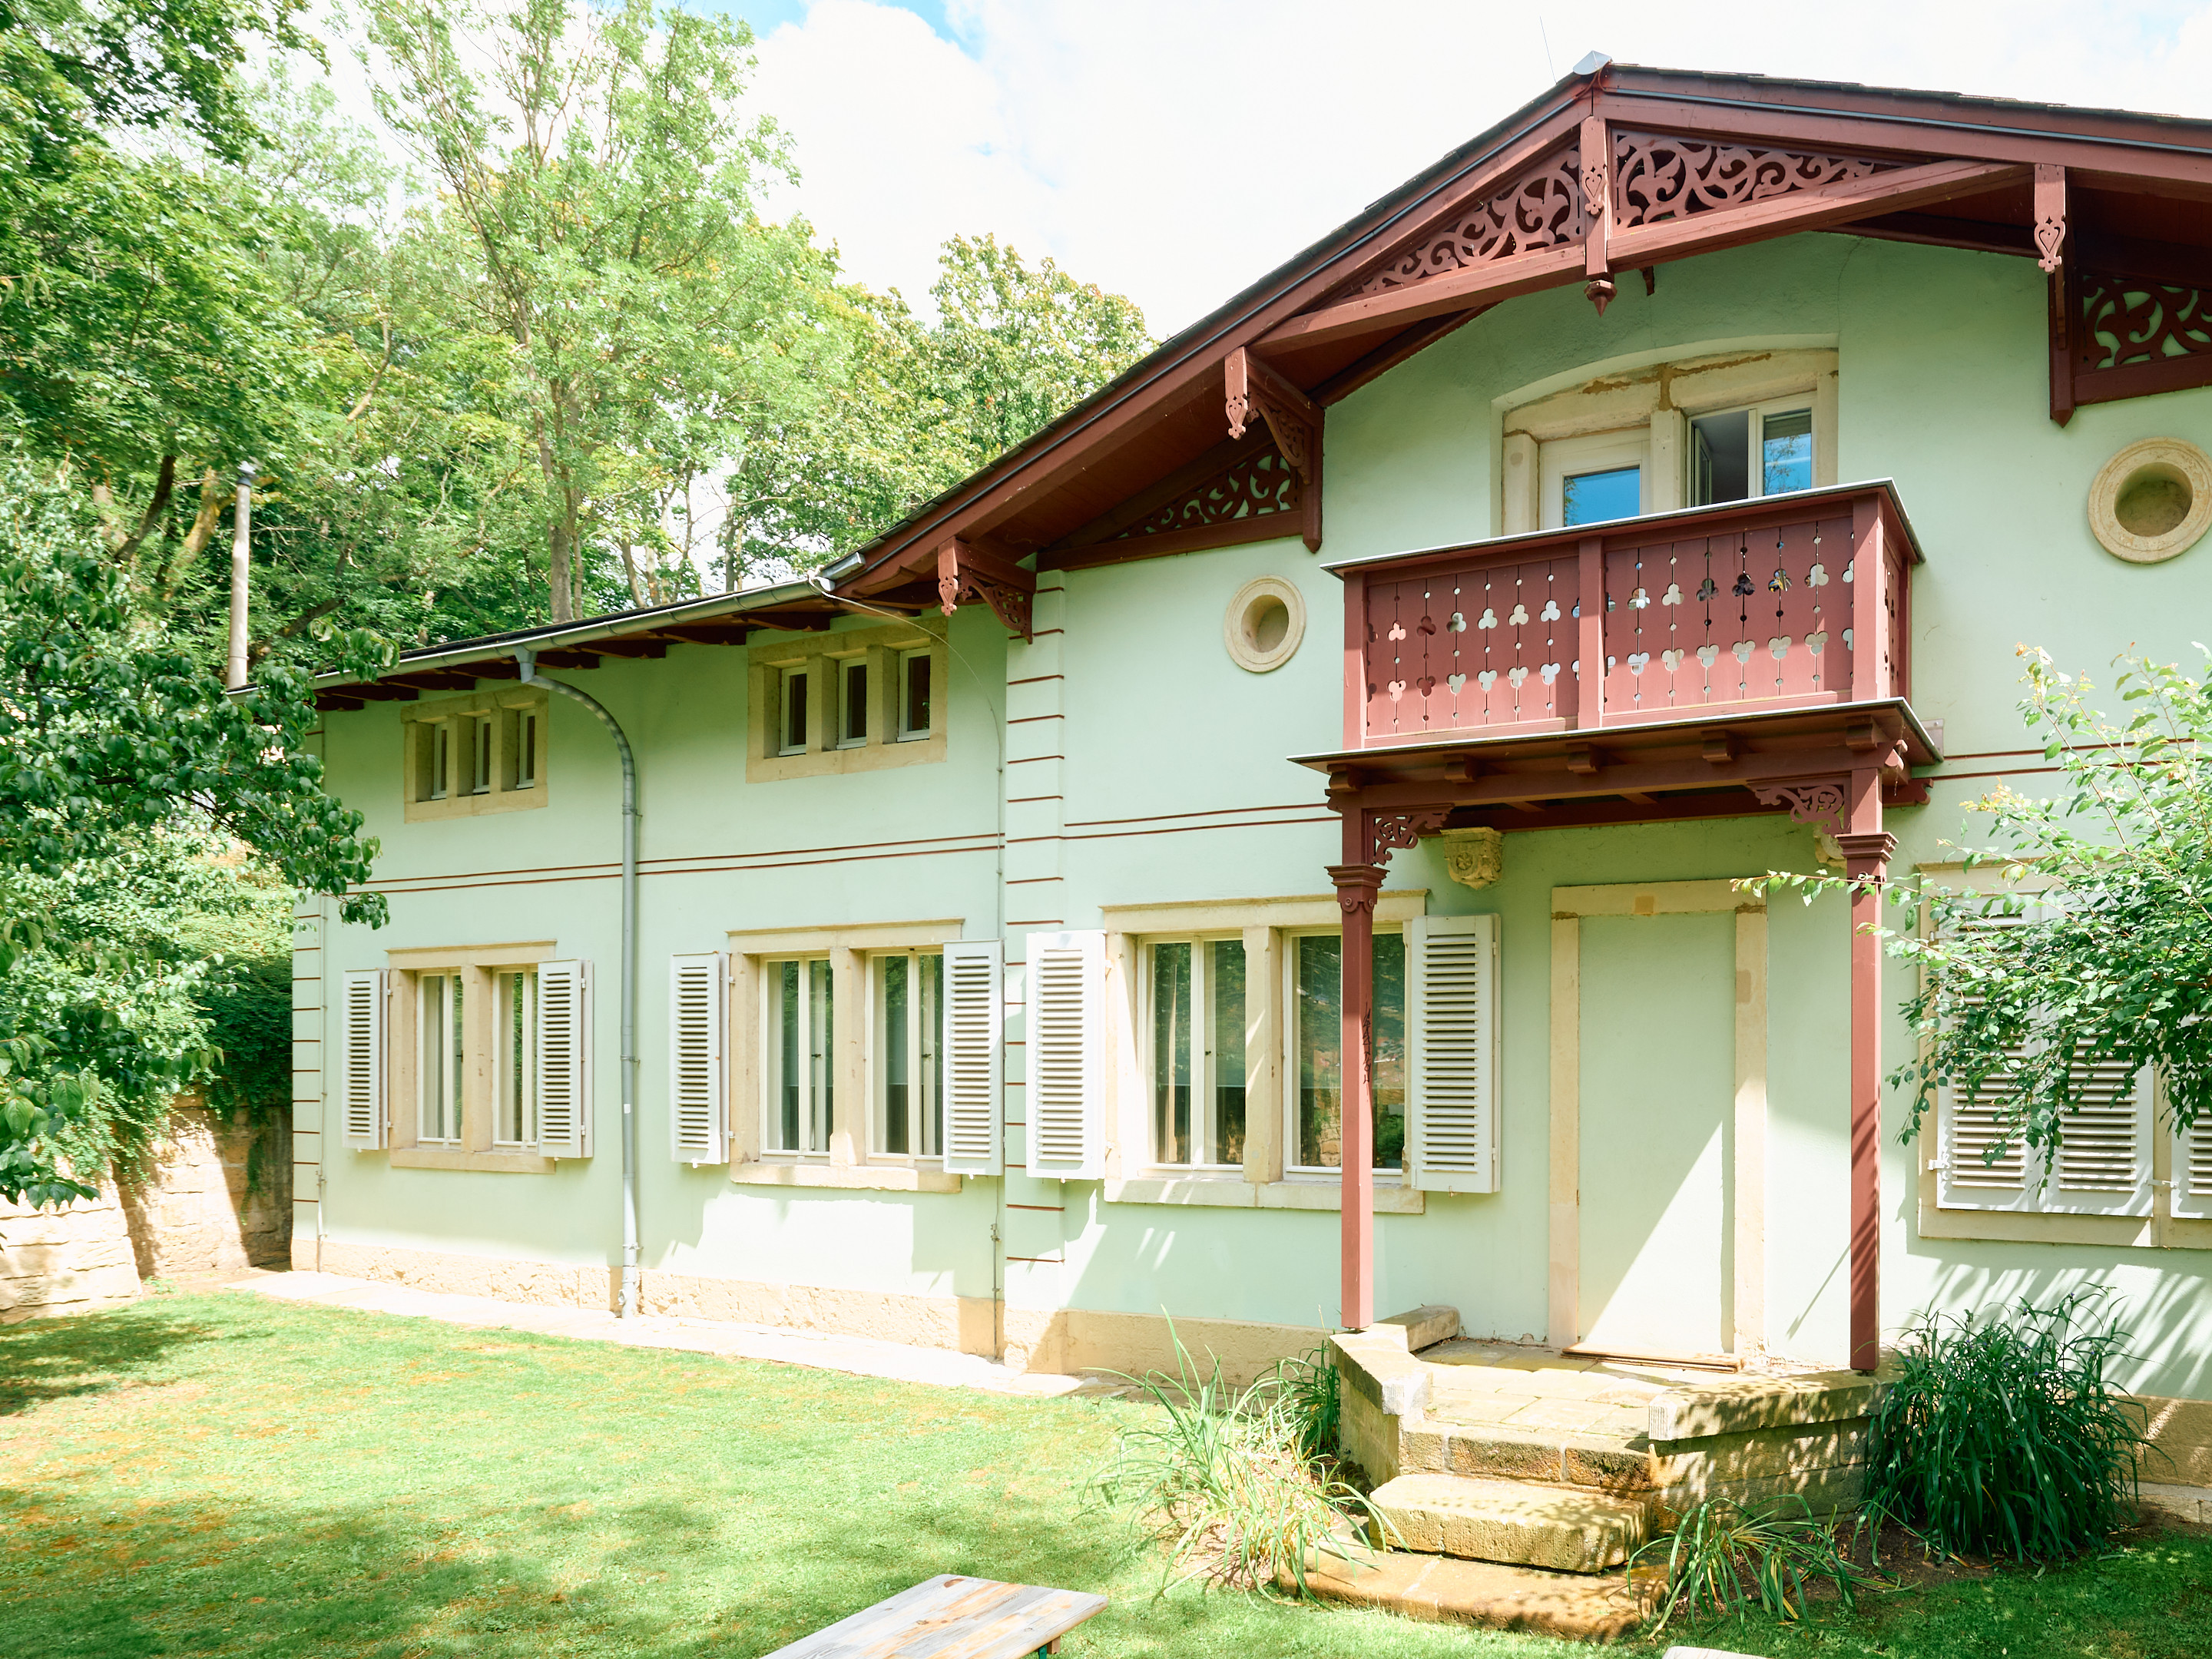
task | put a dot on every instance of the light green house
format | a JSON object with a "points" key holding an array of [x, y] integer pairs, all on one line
{"points": [[992, 894]]}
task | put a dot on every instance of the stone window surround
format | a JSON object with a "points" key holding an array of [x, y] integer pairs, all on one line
{"points": [[824, 657], [851, 1162], [414, 717], [1659, 395], [2160, 1230], [478, 962], [1264, 1183]]}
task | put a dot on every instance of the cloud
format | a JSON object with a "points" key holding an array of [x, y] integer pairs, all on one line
{"points": [[1177, 149]]}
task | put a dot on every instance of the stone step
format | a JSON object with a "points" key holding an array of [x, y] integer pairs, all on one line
{"points": [[1439, 1589], [1500, 1451], [1561, 1527]]}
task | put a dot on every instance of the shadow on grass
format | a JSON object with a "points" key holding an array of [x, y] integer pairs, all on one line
{"points": [[46, 1359], [657, 1579]]}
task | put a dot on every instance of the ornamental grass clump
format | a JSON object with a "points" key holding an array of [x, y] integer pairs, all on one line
{"points": [[2006, 1437], [1725, 1556], [1239, 1485]]}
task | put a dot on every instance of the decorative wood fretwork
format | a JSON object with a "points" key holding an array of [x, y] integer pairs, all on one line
{"points": [[966, 572], [2139, 337], [1542, 208], [1822, 803], [1659, 177], [1257, 485]]}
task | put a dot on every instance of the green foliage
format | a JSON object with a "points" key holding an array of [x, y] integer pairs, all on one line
{"points": [[249, 1024], [2006, 1437], [2114, 962], [1724, 1556], [1235, 1484]]}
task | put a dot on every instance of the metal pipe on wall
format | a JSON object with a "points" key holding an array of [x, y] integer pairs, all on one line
{"points": [[626, 1297]]}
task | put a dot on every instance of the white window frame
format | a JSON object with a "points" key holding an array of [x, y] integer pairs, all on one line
{"points": [[1205, 1047], [1799, 403], [845, 669], [925, 1039], [522, 748], [797, 675], [1288, 994], [1598, 452], [453, 1049], [811, 1112], [907, 731]]}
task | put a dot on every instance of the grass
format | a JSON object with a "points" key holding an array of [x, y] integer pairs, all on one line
{"points": [[218, 1474]]}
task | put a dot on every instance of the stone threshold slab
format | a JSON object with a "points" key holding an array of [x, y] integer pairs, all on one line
{"points": [[1444, 1589]]}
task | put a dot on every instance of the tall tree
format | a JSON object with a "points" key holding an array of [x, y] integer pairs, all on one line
{"points": [[597, 210]]}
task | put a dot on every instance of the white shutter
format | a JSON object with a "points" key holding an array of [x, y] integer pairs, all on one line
{"points": [[1966, 1127], [564, 1058], [697, 1076], [1451, 1052], [2192, 1172], [969, 1045], [2104, 1152], [1066, 1049], [361, 1063]]}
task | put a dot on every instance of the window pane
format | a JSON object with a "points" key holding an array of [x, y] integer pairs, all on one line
{"points": [[795, 709], [453, 1059], [1171, 1014], [1786, 453], [786, 1070], [518, 1027], [1720, 458], [1389, 1080], [856, 702], [818, 1055], [432, 1018], [931, 974], [1591, 497], [893, 1010], [1318, 1034], [480, 755], [916, 718], [522, 748], [1225, 982]]}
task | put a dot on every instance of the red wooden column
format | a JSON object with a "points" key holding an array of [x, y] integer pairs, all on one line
{"points": [[1867, 848], [1357, 885]]}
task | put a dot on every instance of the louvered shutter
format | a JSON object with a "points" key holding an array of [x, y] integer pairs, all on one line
{"points": [[697, 1083], [2102, 1164], [2192, 1172], [363, 996], [969, 1045], [1451, 1052], [1966, 1127], [564, 1058], [1066, 1050]]}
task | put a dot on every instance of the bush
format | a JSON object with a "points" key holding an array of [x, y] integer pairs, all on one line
{"points": [[2006, 1438], [1723, 1556], [1241, 1487]]}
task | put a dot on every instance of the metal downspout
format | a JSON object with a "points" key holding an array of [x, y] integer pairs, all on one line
{"points": [[626, 1296]]}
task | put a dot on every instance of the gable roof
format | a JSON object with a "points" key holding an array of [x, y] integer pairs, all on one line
{"points": [[1937, 167]]}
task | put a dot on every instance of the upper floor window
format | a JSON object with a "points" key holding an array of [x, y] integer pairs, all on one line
{"points": [[482, 753], [847, 700], [1738, 453]]}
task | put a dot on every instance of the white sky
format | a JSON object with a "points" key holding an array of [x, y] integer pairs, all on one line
{"points": [[1176, 150]]}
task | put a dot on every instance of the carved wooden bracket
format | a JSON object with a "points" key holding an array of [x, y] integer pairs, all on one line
{"points": [[1253, 390], [2049, 214], [1358, 885], [1597, 211], [1824, 803], [965, 571], [1381, 833]]}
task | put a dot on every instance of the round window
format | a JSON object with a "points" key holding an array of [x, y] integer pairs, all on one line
{"points": [[1266, 621], [2152, 501]]}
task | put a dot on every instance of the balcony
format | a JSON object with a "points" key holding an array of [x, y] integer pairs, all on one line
{"points": [[1575, 675]]}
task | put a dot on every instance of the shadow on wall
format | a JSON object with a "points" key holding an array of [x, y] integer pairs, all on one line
{"points": [[2169, 1318], [215, 1197]]}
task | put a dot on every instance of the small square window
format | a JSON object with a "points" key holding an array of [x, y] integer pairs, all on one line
{"points": [[434, 759], [915, 713], [853, 703], [791, 731]]}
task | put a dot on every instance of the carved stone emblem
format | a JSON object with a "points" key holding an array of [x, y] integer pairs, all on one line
{"points": [[1475, 858]]}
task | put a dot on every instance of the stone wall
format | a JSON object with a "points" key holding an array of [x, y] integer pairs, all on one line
{"points": [[74, 1260], [216, 1198]]}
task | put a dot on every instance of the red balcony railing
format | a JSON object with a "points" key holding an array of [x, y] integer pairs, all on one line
{"points": [[1784, 602]]}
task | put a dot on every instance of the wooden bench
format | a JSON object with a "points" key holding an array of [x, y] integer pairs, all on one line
{"points": [[953, 1617]]}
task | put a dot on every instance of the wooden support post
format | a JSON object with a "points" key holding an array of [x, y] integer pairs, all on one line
{"points": [[1867, 848], [1589, 675], [1597, 211], [1868, 632], [1356, 886]]}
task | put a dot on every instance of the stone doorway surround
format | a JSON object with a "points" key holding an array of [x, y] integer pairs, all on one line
{"points": [[1747, 1176]]}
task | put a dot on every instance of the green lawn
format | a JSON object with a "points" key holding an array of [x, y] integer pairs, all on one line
{"points": [[219, 1474]]}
